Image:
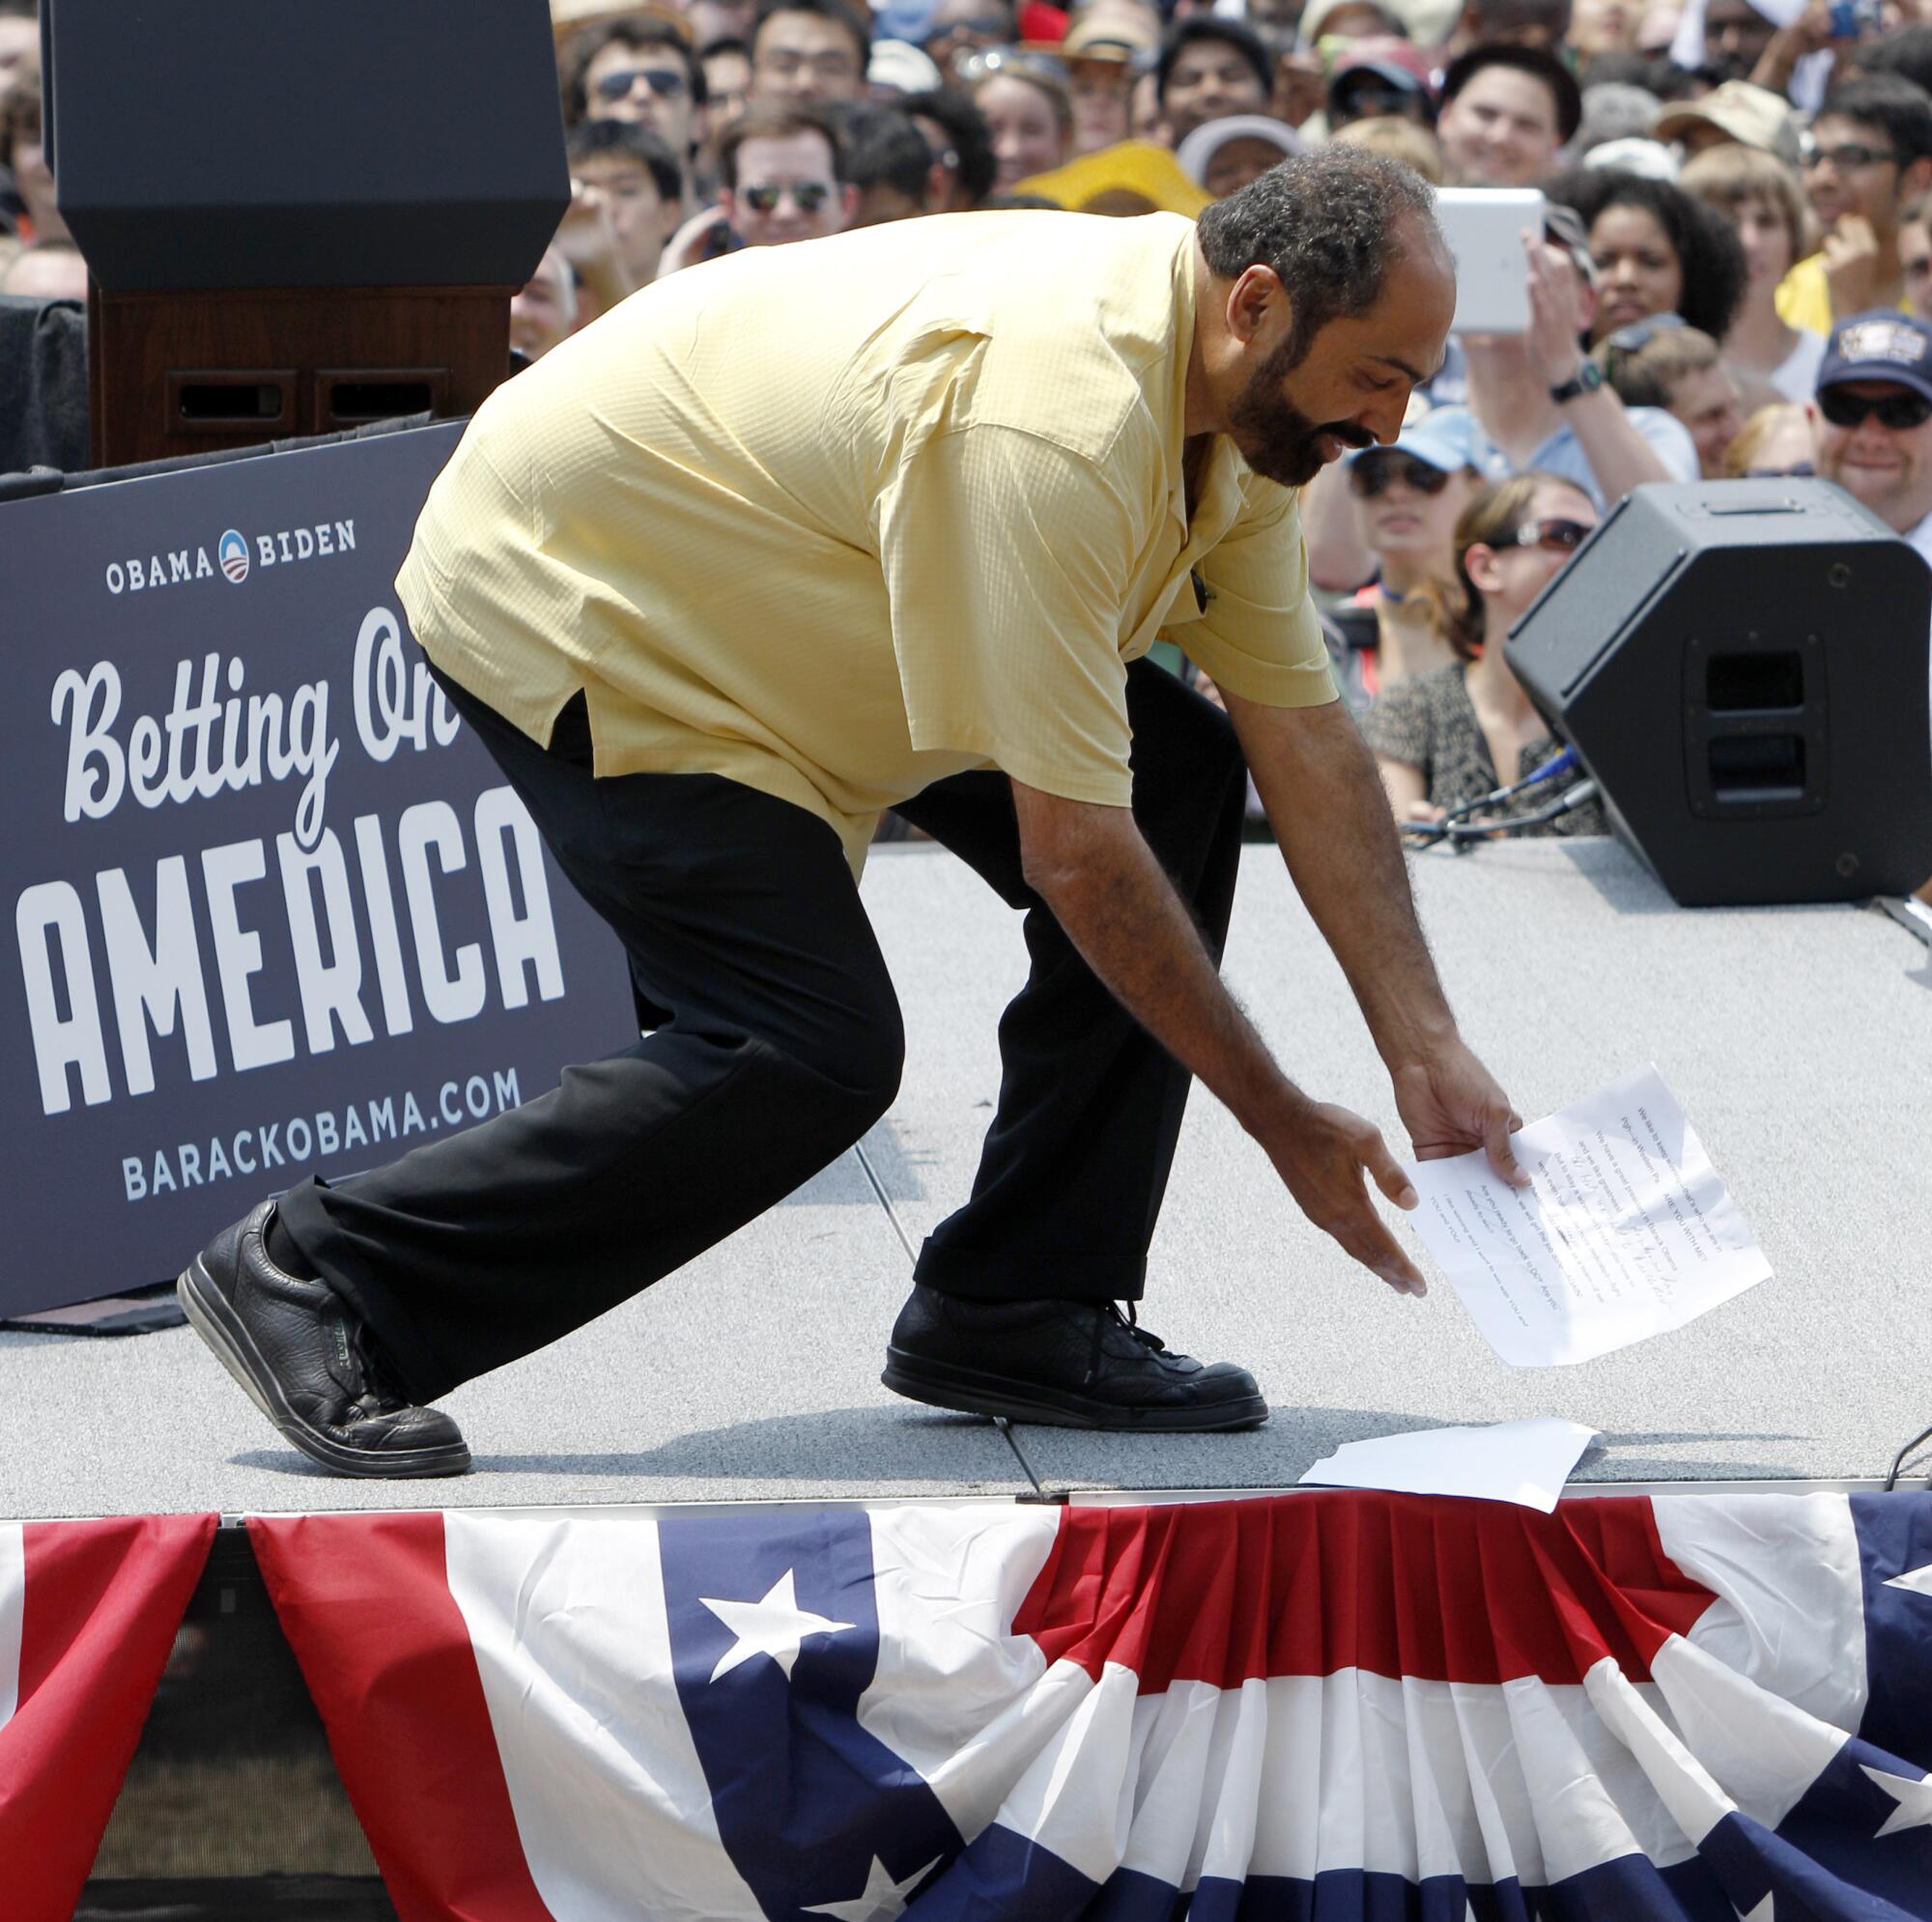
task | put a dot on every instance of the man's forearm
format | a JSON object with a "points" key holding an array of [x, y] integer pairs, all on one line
{"points": [[1330, 814], [1118, 907]]}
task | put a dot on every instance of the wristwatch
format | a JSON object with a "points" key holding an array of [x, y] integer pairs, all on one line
{"points": [[1586, 379]]}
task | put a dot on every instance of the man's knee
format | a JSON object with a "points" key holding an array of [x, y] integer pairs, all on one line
{"points": [[857, 1058]]}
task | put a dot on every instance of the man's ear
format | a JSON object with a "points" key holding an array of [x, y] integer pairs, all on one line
{"points": [[1255, 302]]}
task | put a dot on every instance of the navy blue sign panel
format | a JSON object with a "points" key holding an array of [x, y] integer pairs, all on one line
{"points": [[275, 913]]}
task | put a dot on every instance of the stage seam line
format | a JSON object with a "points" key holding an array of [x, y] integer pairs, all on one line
{"points": [[885, 1200]]}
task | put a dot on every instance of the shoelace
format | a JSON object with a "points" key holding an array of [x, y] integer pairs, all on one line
{"points": [[1108, 1314]]}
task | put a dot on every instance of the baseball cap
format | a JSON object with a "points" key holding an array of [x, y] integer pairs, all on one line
{"points": [[1388, 58], [1447, 438], [1882, 346], [1751, 116]]}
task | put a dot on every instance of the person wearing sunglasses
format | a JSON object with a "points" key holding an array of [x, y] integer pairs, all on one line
{"points": [[1869, 153], [1875, 419], [640, 69], [1028, 110], [1452, 736], [1406, 501], [781, 164]]}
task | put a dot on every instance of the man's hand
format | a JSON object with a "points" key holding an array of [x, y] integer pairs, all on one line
{"points": [[1090, 866], [1323, 1152], [1450, 1103]]}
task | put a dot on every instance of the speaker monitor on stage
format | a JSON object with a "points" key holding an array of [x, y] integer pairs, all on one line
{"points": [[298, 218], [1742, 666]]}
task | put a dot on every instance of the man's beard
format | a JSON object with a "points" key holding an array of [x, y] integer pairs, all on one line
{"points": [[1276, 438]]}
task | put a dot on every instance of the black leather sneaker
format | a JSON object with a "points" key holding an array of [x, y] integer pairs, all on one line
{"points": [[306, 1362], [1071, 1364]]}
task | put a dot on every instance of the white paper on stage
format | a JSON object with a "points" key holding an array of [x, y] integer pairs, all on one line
{"points": [[1627, 1230], [1525, 1463]]}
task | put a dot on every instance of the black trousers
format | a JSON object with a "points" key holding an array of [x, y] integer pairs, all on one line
{"points": [[779, 1044]]}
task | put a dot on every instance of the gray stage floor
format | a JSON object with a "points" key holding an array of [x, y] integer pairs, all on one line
{"points": [[1799, 1041]]}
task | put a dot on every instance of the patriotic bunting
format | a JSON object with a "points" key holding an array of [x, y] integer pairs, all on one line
{"points": [[88, 1613], [1321, 1707]]}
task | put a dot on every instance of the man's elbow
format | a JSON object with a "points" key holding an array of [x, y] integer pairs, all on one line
{"points": [[1066, 844]]}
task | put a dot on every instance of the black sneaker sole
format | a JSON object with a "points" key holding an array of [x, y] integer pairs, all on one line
{"points": [[970, 1392], [211, 1316]]}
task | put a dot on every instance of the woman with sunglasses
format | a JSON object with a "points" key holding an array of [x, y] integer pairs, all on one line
{"points": [[1406, 500], [1028, 110], [1450, 737]]}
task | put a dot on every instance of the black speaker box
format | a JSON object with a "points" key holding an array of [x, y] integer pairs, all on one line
{"points": [[305, 143], [1742, 667]]}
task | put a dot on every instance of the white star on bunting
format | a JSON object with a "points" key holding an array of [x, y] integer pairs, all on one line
{"points": [[1917, 1581], [1913, 1799], [774, 1626], [882, 1897]]}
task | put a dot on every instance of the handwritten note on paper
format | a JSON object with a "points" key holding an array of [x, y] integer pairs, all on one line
{"points": [[1627, 1230]]}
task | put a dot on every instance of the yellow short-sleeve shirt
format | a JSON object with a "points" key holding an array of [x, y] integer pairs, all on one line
{"points": [[840, 518], [1804, 298]]}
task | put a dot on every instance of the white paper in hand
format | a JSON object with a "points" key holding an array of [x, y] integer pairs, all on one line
{"points": [[1525, 1463], [1628, 1230]]}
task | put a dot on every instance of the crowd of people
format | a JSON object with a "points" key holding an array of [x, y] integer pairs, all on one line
{"points": [[1734, 278]]}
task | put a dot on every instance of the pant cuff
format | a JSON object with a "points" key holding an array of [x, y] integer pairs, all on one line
{"points": [[420, 1372], [1050, 1274]]}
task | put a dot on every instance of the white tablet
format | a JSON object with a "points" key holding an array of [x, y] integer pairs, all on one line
{"points": [[1485, 227]]}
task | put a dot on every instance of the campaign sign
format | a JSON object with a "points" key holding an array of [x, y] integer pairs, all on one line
{"points": [[275, 913]]}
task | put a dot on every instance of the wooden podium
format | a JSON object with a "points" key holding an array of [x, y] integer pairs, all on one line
{"points": [[298, 218]]}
